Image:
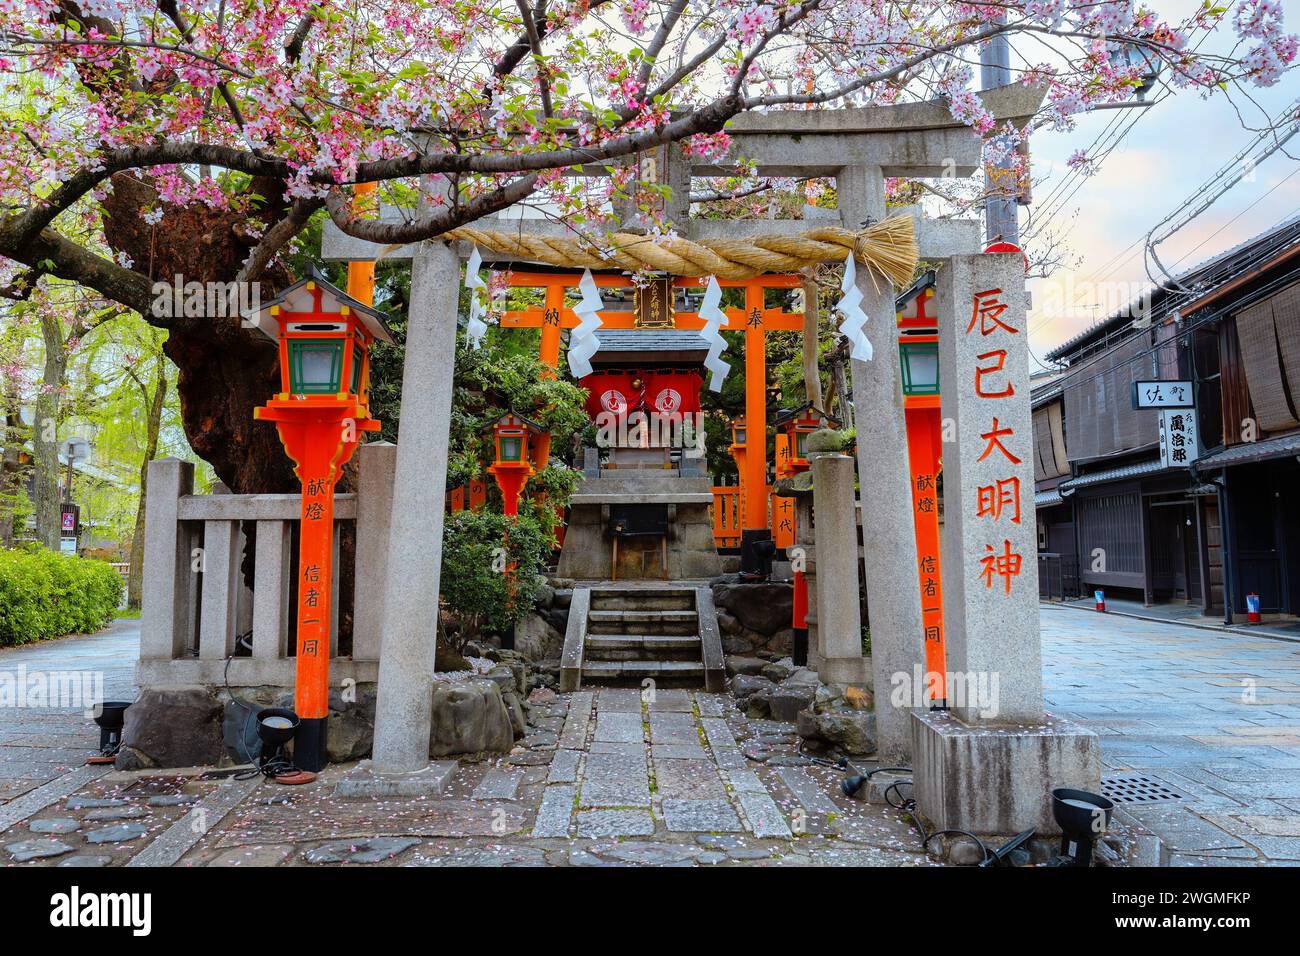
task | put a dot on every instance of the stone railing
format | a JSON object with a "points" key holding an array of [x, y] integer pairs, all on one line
{"points": [[196, 601]]}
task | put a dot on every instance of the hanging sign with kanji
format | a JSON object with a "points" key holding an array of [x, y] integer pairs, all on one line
{"points": [[1163, 394], [1178, 440]]}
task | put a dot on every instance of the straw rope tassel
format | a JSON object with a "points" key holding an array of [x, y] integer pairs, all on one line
{"points": [[889, 247]]}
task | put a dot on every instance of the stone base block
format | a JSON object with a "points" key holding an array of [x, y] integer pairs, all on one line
{"points": [[998, 779], [365, 781], [850, 671]]}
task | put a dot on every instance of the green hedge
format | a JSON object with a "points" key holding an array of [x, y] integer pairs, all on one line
{"points": [[43, 594]]}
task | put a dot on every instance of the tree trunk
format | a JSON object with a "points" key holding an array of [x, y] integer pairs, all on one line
{"points": [[224, 370], [45, 435], [10, 462], [135, 576]]}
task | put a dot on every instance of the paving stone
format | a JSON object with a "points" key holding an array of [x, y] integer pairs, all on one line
{"points": [[641, 853], [488, 856], [541, 740], [709, 816], [718, 733], [674, 728], [116, 813], [497, 785], [116, 833], [94, 803], [688, 779], [711, 857], [615, 823], [809, 792], [765, 818], [173, 800], [375, 850], [529, 758], [745, 781], [615, 780], [749, 853], [713, 705], [84, 859], [668, 701], [564, 766], [252, 856], [574, 734], [678, 752], [174, 842], [628, 750], [554, 813], [55, 825], [731, 758], [25, 850], [619, 700], [619, 728]]}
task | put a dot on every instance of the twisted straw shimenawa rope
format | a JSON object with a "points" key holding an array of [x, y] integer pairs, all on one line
{"points": [[889, 247]]}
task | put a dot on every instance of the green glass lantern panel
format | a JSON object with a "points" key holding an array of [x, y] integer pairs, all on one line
{"points": [[920, 364], [512, 447], [315, 366]]}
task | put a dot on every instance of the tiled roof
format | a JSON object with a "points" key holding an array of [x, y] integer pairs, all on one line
{"points": [[680, 343], [1279, 447]]}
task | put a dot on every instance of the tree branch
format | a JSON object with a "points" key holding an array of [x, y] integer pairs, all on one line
{"points": [[341, 212]]}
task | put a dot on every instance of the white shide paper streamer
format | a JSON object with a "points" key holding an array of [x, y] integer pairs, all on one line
{"points": [[475, 327], [583, 343], [713, 318], [855, 320]]}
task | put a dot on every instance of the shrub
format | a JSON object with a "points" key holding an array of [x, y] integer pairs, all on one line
{"points": [[477, 548], [44, 594]]}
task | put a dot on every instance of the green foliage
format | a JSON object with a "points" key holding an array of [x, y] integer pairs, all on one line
{"points": [[44, 594], [477, 547]]}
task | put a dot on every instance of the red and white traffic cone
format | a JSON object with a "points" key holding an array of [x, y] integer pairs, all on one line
{"points": [[1099, 596]]}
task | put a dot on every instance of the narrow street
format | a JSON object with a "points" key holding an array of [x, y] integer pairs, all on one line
{"points": [[608, 780]]}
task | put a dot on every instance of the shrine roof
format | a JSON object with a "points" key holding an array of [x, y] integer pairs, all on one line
{"points": [[649, 345]]}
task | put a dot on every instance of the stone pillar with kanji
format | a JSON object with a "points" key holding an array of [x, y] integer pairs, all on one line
{"points": [[990, 544], [988, 764]]}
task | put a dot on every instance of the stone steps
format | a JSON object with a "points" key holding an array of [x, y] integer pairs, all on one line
{"points": [[633, 632], [661, 670], [630, 647], [649, 621], [642, 598]]}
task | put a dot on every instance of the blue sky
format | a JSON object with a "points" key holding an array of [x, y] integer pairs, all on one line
{"points": [[1171, 150]]}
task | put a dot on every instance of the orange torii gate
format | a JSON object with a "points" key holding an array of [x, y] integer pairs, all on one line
{"points": [[755, 320]]}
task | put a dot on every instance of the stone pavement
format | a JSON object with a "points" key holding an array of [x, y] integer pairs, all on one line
{"points": [[1216, 716], [1190, 614], [605, 780], [39, 743]]}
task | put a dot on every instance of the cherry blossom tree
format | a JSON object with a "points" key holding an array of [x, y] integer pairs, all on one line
{"points": [[205, 138]]}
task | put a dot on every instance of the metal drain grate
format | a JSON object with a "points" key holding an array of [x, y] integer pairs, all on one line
{"points": [[1139, 789]]}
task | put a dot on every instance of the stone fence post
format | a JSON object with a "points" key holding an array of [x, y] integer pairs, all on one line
{"points": [[166, 561], [839, 621], [376, 462]]}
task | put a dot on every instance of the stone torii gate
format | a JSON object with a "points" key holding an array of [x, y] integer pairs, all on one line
{"points": [[856, 147]]}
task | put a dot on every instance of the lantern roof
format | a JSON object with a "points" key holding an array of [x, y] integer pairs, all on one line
{"points": [[299, 298], [801, 411], [518, 419]]}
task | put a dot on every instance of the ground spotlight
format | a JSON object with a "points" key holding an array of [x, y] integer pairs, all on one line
{"points": [[110, 716], [276, 727], [1082, 817]]}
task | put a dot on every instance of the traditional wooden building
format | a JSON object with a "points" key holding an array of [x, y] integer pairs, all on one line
{"points": [[1116, 511]]}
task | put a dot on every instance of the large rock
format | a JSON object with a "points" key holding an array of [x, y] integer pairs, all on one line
{"points": [[738, 664], [743, 685], [852, 731], [536, 636], [765, 607], [789, 698], [172, 727], [469, 717]]}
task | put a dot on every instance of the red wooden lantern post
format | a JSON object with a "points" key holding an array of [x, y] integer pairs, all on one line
{"points": [[513, 466], [320, 412]]}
